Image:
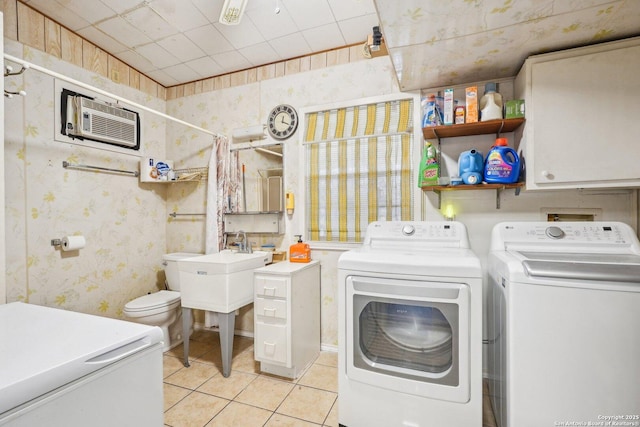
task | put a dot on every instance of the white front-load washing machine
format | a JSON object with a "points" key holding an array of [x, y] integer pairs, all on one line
{"points": [[564, 324], [410, 328]]}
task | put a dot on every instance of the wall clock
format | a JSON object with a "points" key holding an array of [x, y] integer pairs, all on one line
{"points": [[282, 121]]}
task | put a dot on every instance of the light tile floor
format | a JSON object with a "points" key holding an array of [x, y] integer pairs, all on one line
{"points": [[200, 396]]}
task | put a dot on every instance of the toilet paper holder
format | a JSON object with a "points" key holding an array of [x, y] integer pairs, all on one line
{"points": [[69, 243]]}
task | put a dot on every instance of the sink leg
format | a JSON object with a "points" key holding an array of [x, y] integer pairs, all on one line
{"points": [[227, 323], [186, 329]]}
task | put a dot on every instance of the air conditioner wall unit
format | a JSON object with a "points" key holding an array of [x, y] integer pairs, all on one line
{"points": [[101, 121]]}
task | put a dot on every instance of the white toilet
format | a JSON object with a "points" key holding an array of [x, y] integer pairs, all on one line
{"points": [[162, 308]]}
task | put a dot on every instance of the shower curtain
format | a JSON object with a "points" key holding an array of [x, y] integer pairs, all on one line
{"points": [[223, 191]]}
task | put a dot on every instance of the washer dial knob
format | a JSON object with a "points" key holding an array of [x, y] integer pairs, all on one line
{"points": [[554, 232], [408, 230]]}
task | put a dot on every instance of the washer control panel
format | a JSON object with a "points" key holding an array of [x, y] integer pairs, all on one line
{"points": [[419, 233], [578, 233]]}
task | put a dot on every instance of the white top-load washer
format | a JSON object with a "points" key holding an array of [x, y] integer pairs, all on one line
{"points": [[410, 328], [564, 324]]}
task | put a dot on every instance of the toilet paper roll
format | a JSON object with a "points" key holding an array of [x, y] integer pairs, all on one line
{"points": [[73, 243]]}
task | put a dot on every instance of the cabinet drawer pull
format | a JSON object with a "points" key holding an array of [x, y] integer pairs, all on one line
{"points": [[269, 348], [269, 289], [271, 311]]}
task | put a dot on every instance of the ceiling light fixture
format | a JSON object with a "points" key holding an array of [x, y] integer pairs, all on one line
{"points": [[232, 11]]}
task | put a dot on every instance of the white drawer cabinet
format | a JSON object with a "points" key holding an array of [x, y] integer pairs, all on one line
{"points": [[583, 117], [287, 317]]}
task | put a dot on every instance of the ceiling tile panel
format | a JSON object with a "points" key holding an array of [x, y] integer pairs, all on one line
{"points": [[270, 24], [231, 61], [243, 35], [259, 54], [291, 46], [92, 11], [210, 9], [309, 13], [324, 37], [150, 23], [346, 9], [205, 67], [182, 73], [183, 15], [209, 39], [163, 78], [121, 6], [104, 41], [181, 47], [123, 31], [157, 55], [135, 60], [356, 30]]}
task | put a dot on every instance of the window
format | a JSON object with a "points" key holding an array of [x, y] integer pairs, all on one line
{"points": [[359, 168]]}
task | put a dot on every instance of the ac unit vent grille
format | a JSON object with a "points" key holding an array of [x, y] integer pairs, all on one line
{"points": [[102, 122], [104, 108], [113, 128]]}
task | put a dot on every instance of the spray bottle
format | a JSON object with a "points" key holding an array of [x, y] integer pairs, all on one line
{"points": [[429, 168]]}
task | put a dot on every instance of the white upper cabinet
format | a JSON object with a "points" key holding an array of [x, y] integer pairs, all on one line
{"points": [[582, 125]]}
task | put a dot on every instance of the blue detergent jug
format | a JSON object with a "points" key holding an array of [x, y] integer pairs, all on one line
{"points": [[502, 165], [470, 165]]}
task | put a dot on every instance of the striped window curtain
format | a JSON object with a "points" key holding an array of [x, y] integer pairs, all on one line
{"points": [[358, 169]]}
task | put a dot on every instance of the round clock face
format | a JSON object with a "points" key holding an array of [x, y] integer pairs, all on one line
{"points": [[282, 122]]}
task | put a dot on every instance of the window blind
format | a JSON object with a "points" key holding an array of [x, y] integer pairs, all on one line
{"points": [[358, 168]]}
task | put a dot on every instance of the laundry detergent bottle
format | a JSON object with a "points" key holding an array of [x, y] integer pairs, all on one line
{"points": [[470, 164], [490, 103], [502, 165]]}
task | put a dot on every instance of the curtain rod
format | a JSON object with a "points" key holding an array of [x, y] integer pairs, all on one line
{"points": [[54, 74]]}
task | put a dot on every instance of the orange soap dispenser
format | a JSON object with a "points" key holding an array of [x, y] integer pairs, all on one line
{"points": [[299, 252]]}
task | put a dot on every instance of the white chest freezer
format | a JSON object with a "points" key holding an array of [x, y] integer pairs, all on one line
{"points": [[62, 368]]}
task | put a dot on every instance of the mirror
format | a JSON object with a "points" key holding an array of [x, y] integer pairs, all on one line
{"points": [[262, 178]]}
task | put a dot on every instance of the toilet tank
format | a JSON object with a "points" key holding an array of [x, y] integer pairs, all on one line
{"points": [[170, 263]]}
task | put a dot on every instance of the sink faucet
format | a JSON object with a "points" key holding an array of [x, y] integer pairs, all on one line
{"points": [[245, 246]]}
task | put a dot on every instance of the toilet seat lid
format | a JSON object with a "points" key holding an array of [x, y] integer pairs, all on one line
{"points": [[154, 300]]}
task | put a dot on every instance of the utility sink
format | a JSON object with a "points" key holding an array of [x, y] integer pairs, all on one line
{"points": [[220, 282]]}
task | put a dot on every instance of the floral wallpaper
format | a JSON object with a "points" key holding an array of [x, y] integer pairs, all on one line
{"points": [[457, 41], [122, 220]]}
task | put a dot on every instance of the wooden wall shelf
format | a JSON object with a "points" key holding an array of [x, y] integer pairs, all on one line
{"points": [[470, 129], [464, 187]]}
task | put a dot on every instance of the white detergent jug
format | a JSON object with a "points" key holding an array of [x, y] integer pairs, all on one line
{"points": [[490, 104]]}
